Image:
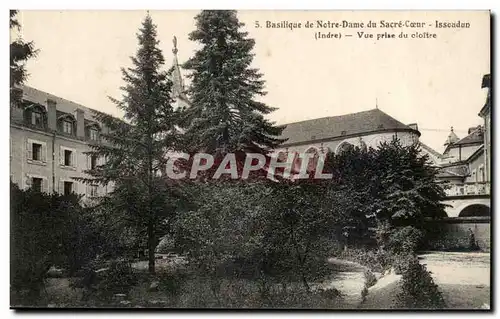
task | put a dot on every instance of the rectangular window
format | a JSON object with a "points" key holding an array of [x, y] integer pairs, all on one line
{"points": [[67, 127], [93, 162], [36, 152], [36, 184], [93, 190], [68, 188], [94, 135], [67, 157], [36, 119]]}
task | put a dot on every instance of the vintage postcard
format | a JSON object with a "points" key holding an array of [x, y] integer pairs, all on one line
{"points": [[223, 159]]}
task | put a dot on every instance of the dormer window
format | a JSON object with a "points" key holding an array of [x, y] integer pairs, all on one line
{"points": [[67, 127], [34, 115]]}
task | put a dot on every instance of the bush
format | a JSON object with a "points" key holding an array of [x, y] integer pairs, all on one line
{"points": [[370, 278], [40, 227], [418, 290], [375, 260], [405, 240], [101, 284]]}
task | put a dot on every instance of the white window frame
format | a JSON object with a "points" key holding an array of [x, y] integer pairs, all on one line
{"points": [[71, 125], [89, 161], [33, 122], [29, 152], [93, 132], [29, 181], [89, 190], [61, 185], [74, 157]]}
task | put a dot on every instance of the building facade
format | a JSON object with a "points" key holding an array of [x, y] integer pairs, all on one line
{"points": [[49, 137]]}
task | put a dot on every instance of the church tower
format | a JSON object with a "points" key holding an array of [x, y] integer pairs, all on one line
{"points": [[452, 138], [178, 89]]}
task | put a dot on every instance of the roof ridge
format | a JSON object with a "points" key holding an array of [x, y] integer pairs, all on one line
{"points": [[335, 116], [56, 96]]}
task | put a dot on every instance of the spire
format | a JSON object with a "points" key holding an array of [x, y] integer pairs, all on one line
{"points": [[178, 88], [376, 103], [452, 138]]}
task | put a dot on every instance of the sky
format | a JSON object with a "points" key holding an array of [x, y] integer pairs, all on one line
{"points": [[435, 83]]}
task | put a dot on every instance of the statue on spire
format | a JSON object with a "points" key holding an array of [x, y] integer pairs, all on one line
{"points": [[174, 50]]}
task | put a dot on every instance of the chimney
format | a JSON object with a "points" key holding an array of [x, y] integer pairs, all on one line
{"points": [[413, 126], [51, 115], [80, 123]]}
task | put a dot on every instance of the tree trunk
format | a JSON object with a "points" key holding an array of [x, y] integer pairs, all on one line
{"points": [[304, 281], [151, 247]]}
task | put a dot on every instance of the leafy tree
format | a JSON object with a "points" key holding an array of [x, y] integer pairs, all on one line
{"points": [[223, 227], [299, 230], [20, 52], [406, 184], [225, 114], [393, 184], [136, 150]]}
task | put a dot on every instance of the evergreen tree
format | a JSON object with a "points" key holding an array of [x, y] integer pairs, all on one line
{"points": [[225, 114], [135, 150], [20, 52]]}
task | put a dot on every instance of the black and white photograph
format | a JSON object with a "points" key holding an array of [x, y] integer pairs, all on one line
{"points": [[250, 159]]}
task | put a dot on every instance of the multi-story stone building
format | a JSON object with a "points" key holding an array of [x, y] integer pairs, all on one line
{"points": [[48, 140], [50, 135]]}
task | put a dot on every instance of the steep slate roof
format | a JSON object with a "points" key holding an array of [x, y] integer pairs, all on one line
{"points": [[336, 126], [63, 105], [473, 138], [431, 150]]}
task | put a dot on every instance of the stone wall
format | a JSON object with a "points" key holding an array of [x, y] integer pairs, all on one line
{"points": [[454, 233]]}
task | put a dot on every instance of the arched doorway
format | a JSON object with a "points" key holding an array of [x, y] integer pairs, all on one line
{"points": [[475, 210]]}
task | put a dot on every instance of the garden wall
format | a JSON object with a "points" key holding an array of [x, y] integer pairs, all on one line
{"points": [[454, 233]]}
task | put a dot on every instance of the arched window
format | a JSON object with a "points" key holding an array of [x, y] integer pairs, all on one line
{"points": [[475, 210], [344, 147], [313, 162], [35, 116]]}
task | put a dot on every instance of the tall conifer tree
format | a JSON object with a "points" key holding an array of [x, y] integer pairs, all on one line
{"points": [[20, 52], [225, 114], [136, 149]]}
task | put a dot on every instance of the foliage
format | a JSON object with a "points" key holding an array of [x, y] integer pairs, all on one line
{"points": [[20, 52], [405, 240], [48, 230], [225, 113], [102, 281], [298, 232], [418, 290], [223, 228], [375, 260], [392, 184], [370, 278], [136, 150]]}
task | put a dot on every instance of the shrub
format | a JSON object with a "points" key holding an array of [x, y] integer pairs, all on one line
{"points": [[375, 260], [101, 284], [370, 278], [418, 290], [407, 239]]}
